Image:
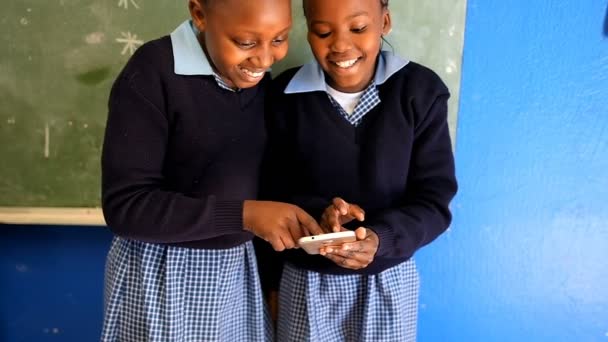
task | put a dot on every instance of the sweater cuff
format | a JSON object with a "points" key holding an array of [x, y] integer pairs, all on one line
{"points": [[229, 217], [385, 236]]}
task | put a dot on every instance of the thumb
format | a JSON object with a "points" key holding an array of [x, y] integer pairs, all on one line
{"points": [[361, 233]]}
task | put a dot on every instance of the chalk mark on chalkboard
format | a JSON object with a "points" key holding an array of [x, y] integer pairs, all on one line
{"points": [[125, 4], [131, 42], [94, 38], [47, 140]]}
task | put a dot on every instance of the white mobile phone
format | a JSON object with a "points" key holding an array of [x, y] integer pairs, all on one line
{"points": [[312, 244]]}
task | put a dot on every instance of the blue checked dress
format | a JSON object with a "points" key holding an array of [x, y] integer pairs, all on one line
{"points": [[348, 308], [319, 307], [175, 294]]}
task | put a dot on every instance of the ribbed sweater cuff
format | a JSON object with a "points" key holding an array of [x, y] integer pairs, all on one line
{"points": [[229, 217], [385, 235]]}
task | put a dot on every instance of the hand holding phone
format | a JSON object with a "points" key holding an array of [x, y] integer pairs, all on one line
{"points": [[354, 255], [312, 244]]}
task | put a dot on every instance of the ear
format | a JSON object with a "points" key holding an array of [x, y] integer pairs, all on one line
{"points": [[387, 26], [198, 14]]}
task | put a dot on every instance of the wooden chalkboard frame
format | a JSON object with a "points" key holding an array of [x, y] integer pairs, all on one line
{"points": [[52, 216]]}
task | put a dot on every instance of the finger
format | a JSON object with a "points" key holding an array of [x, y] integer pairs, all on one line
{"points": [[324, 225], [362, 258], [289, 231], [340, 205], [323, 222], [330, 221], [277, 244], [338, 260], [334, 221], [344, 262], [308, 223], [295, 230], [356, 212], [361, 233], [287, 241]]}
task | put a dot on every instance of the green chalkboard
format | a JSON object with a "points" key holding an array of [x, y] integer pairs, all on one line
{"points": [[59, 59]]}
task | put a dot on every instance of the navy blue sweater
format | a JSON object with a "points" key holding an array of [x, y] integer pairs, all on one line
{"points": [[397, 164], [180, 154]]}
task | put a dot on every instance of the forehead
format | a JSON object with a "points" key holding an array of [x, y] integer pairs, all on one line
{"points": [[331, 10], [258, 15]]}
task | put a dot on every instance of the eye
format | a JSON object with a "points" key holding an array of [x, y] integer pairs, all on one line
{"points": [[245, 44], [360, 29], [279, 41], [322, 34]]}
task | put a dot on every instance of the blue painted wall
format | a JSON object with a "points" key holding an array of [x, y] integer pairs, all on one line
{"points": [[51, 283], [526, 258]]}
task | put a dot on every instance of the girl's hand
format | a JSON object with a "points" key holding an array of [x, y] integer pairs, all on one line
{"points": [[338, 213], [354, 255], [280, 224]]}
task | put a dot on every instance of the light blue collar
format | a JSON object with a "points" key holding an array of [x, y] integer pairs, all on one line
{"points": [[310, 77], [188, 55]]}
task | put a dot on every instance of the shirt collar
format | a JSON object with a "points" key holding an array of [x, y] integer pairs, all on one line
{"points": [[188, 55], [311, 78]]}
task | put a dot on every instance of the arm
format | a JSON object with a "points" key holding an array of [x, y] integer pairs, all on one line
{"points": [[423, 213], [136, 201]]}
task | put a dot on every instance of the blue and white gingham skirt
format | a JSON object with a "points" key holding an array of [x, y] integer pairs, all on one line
{"points": [[169, 294], [326, 307]]}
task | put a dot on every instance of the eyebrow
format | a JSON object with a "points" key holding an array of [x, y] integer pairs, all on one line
{"points": [[358, 14], [285, 30]]}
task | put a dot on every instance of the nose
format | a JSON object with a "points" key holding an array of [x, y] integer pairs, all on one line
{"points": [[264, 58], [341, 43]]}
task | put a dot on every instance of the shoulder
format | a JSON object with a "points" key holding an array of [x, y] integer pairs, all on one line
{"points": [[280, 82], [418, 80], [156, 48], [153, 57], [145, 72], [417, 90]]}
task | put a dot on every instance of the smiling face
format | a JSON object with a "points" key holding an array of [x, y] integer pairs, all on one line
{"points": [[242, 39], [345, 38]]}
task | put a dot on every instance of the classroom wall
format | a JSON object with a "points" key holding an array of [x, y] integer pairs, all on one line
{"points": [[51, 283], [526, 256]]}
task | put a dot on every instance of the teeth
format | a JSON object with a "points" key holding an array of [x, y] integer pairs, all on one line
{"points": [[253, 74], [346, 64]]}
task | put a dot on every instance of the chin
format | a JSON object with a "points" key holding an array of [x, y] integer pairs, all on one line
{"points": [[351, 87]]}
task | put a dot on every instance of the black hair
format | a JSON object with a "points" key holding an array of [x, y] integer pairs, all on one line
{"points": [[383, 3]]}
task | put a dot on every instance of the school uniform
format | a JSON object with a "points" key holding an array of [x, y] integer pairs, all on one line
{"points": [[392, 156], [181, 153]]}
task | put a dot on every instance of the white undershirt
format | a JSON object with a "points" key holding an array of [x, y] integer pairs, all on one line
{"points": [[348, 101]]}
